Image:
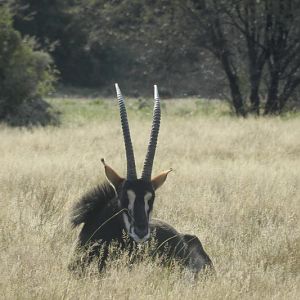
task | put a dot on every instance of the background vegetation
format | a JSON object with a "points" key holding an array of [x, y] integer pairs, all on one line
{"points": [[25, 76], [236, 185], [244, 51]]}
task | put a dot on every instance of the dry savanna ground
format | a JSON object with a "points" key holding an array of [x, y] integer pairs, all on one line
{"points": [[236, 185]]}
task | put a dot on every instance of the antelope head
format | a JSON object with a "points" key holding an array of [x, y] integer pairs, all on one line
{"points": [[136, 195]]}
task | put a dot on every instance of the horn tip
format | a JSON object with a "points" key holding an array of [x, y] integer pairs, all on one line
{"points": [[117, 88], [155, 91], [103, 161]]}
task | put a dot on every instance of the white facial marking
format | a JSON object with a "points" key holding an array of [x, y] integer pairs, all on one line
{"points": [[131, 197], [126, 222], [140, 240], [147, 197]]}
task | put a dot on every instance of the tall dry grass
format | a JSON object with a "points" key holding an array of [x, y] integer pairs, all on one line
{"points": [[236, 186]]}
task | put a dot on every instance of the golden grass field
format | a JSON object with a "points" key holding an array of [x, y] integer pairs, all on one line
{"points": [[236, 185]]}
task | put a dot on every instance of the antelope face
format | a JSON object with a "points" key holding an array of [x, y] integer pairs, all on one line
{"points": [[136, 198]]}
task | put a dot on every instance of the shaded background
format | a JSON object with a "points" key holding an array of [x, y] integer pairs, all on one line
{"points": [[246, 52]]}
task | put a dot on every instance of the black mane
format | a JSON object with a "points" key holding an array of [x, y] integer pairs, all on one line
{"points": [[91, 203]]}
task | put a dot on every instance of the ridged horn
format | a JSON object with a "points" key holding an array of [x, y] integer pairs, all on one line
{"points": [[131, 169], [146, 174]]}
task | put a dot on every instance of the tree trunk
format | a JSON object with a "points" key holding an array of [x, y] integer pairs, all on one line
{"points": [[222, 52], [254, 95], [272, 106], [237, 99], [287, 92]]}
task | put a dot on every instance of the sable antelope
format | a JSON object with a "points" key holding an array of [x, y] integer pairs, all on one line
{"points": [[125, 205]]}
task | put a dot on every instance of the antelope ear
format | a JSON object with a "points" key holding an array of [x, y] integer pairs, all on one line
{"points": [[112, 176], [159, 180]]}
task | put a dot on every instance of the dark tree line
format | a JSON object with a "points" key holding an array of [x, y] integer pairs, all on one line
{"points": [[52, 23], [271, 34], [255, 42], [247, 49]]}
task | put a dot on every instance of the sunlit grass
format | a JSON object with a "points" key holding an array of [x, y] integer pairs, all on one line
{"points": [[236, 185], [81, 110]]}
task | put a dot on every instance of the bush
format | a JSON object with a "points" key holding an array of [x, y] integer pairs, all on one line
{"points": [[25, 74]]}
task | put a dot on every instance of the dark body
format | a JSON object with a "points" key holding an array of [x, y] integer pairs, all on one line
{"points": [[103, 224]]}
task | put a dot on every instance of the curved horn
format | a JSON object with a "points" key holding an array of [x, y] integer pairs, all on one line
{"points": [[146, 175], [131, 170]]}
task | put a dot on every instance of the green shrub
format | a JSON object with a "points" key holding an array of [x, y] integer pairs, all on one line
{"points": [[26, 75]]}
